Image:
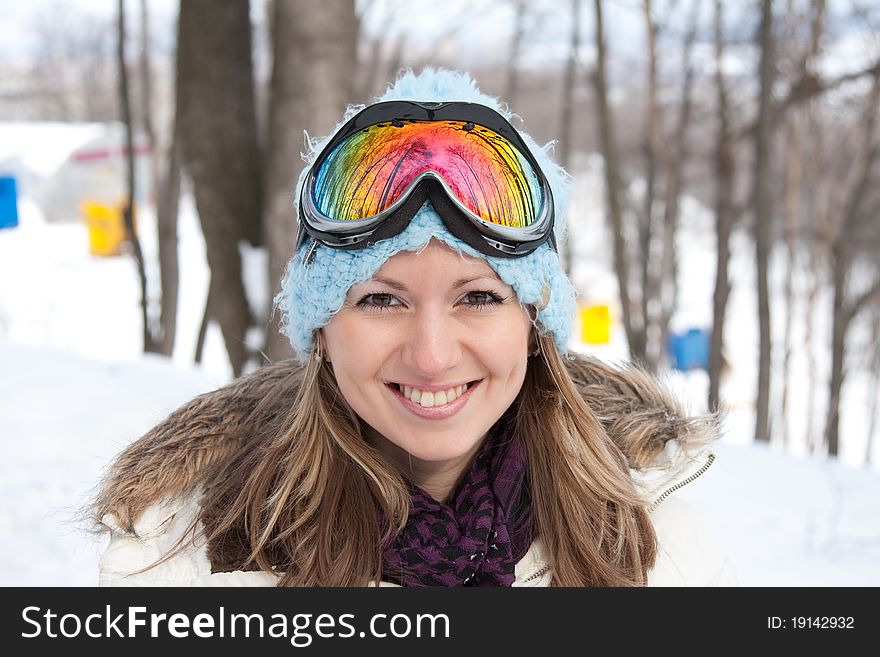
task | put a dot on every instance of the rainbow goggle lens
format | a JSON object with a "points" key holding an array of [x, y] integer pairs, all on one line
{"points": [[391, 157]]}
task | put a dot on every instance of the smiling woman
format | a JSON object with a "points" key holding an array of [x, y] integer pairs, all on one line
{"points": [[430, 353], [433, 430]]}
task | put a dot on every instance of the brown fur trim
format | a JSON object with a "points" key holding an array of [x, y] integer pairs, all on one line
{"points": [[639, 413], [191, 446], [187, 448]]}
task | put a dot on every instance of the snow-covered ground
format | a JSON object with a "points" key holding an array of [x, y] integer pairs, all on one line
{"points": [[75, 389]]}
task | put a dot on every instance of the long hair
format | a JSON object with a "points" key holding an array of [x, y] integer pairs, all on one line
{"points": [[594, 525], [315, 502]]}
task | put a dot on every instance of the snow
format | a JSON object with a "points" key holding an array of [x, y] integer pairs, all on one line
{"points": [[63, 417], [75, 389], [41, 148]]}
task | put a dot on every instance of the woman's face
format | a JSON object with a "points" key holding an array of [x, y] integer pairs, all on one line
{"points": [[429, 353]]}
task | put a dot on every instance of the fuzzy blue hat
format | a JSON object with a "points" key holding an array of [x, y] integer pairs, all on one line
{"points": [[313, 290]]}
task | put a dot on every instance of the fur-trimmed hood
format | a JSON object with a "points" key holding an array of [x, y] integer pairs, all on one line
{"points": [[664, 446]]}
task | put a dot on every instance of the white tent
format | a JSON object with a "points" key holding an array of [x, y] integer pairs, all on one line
{"points": [[62, 165]]}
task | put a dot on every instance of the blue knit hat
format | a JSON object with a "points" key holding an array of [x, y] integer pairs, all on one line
{"points": [[315, 287]]}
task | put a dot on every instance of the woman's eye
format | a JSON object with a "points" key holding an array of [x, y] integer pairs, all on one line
{"points": [[378, 300], [481, 298]]}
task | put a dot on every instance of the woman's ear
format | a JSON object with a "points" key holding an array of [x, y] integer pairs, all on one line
{"points": [[534, 347], [533, 333], [321, 346]]}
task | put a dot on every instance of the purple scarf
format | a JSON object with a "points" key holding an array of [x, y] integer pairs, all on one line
{"points": [[479, 534]]}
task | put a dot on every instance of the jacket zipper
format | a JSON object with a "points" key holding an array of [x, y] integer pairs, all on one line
{"points": [[681, 484], [669, 491], [540, 573]]}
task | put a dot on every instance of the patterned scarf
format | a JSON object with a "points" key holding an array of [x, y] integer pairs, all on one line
{"points": [[479, 534]]}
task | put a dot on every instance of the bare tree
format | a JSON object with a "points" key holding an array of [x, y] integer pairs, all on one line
{"points": [[167, 188], [790, 211], [874, 391], [382, 53], [511, 86], [725, 214], [167, 198], [653, 149], [74, 74], [368, 69], [613, 185], [806, 88], [567, 106], [314, 49], [845, 308], [396, 57], [763, 216], [648, 304], [792, 191], [674, 158], [818, 184], [146, 75], [219, 149], [128, 210]]}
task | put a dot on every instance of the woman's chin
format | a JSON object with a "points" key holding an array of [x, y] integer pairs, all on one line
{"points": [[441, 453]]}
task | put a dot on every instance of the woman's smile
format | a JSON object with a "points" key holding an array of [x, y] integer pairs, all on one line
{"points": [[431, 404]]}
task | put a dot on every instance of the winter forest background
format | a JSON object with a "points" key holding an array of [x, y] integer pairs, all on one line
{"points": [[726, 183]]}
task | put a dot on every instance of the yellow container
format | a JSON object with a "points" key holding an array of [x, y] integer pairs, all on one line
{"points": [[106, 228], [596, 324]]}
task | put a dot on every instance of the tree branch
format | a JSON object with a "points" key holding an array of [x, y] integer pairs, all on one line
{"points": [[809, 86], [856, 306]]}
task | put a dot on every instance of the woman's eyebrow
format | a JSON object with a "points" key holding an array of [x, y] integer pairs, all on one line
{"points": [[401, 287]]}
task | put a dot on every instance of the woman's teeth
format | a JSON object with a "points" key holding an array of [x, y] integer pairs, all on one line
{"points": [[432, 399]]}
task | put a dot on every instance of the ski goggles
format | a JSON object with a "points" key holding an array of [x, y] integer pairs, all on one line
{"points": [[386, 161]]}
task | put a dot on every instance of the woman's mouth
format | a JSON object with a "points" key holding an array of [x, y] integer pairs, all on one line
{"points": [[429, 399], [433, 404]]}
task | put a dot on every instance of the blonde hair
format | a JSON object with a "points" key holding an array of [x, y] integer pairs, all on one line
{"points": [[307, 500]]}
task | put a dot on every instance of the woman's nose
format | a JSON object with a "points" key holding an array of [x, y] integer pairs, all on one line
{"points": [[433, 344]]}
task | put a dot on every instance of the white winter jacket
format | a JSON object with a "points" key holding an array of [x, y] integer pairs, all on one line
{"points": [[688, 552]]}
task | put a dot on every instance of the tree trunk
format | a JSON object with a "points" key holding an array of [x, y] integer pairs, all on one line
{"points": [[817, 201], [146, 74], [838, 340], [812, 365], [511, 85], [167, 199], [725, 172], [674, 166], [613, 189], [128, 210], [314, 50], [166, 190], [651, 147], [874, 394], [203, 326], [763, 215], [791, 210], [395, 59], [218, 138], [841, 263], [368, 69], [566, 147]]}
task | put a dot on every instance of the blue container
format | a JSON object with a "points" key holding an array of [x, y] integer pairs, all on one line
{"points": [[8, 203], [689, 350]]}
